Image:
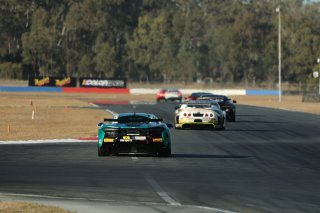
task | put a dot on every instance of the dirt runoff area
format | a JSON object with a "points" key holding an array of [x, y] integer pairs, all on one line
{"points": [[291, 103], [30, 116], [29, 208]]}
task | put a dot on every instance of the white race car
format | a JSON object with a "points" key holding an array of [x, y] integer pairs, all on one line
{"points": [[200, 114]]}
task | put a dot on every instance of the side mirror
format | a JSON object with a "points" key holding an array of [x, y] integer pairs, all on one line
{"points": [[170, 126], [99, 124], [234, 101]]}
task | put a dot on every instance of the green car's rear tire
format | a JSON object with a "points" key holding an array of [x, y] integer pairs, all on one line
{"points": [[165, 152], [102, 152], [105, 150]]}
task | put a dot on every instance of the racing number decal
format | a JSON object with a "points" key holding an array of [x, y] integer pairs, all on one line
{"points": [[126, 137]]}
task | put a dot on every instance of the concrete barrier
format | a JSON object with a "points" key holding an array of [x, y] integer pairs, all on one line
{"points": [[29, 89], [216, 91], [262, 92], [95, 90], [64, 89], [141, 91], [134, 91]]}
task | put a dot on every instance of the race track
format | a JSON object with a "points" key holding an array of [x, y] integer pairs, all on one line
{"points": [[267, 161]]}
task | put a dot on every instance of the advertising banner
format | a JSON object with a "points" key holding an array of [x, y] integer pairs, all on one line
{"points": [[46, 81], [105, 83], [65, 82]]}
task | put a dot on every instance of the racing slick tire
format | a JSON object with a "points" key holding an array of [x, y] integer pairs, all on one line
{"points": [[232, 119], [166, 152], [221, 128], [162, 100], [105, 150]]}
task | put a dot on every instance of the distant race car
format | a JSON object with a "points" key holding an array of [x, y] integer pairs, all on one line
{"points": [[200, 114], [169, 95], [196, 95], [134, 133], [226, 104]]}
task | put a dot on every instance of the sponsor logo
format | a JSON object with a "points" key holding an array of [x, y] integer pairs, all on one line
{"points": [[102, 83], [126, 138], [41, 82], [108, 140], [140, 138], [63, 82]]}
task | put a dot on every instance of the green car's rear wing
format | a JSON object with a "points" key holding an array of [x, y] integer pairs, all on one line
{"points": [[133, 119]]}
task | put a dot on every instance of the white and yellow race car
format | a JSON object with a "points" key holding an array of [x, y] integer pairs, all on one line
{"points": [[194, 114]]}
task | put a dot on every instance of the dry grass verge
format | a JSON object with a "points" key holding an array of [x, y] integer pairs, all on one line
{"points": [[17, 207], [293, 103], [55, 116]]}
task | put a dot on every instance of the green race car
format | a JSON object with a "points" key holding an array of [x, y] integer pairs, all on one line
{"points": [[134, 133]]}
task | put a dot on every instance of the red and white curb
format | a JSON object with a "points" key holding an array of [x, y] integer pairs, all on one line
{"points": [[51, 141]]}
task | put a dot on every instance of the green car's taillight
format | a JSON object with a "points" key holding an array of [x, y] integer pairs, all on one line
{"points": [[110, 133]]}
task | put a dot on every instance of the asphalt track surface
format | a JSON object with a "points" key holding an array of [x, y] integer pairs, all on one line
{"points": [[267, 161]]}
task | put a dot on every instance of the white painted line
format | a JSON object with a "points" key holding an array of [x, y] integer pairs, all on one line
{"points": [[135, 158], [143, 91], [111, 112], [160, 191], [287, 109], [212, 209], [143, 102], [53, 197], [52, 141], [94, 105]]}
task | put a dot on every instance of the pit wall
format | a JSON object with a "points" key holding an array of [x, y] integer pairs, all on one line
{"points": [[135, 91]]}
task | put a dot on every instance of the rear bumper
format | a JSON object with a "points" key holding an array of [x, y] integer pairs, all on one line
{"points": [[197, 125], [135, 147], [170, 99]]}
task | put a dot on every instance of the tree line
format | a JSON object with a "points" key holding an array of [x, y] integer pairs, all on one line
{"points": [[159, 41]]}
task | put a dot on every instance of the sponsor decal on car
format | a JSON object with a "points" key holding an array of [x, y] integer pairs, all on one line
{"points": [[108, 140], [140, 138], [126, 138]]}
